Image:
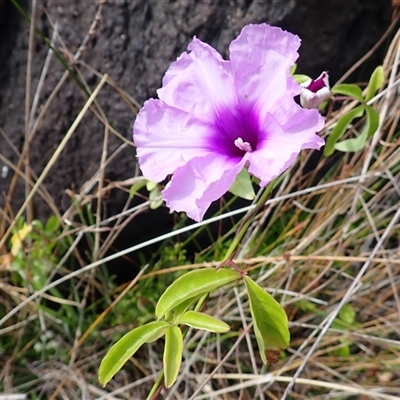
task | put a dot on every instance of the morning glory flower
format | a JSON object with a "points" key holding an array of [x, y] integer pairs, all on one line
{"points": [[315, 91], [215, 117]]}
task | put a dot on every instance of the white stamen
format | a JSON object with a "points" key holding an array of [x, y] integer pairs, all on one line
{"points": [[245, 146]]}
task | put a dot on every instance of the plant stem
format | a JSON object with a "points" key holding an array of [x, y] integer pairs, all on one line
{"points": [[248, 220], [156, 387]]}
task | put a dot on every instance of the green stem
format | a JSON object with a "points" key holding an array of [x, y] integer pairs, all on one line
{"points": [[248, 220], [156, 385]]}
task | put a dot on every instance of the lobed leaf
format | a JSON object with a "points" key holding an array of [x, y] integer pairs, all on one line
{"points": [[375, 82], [270, 322], [349, 89], [340, 128], [126, 347], [194, 283], [172, 354], [203, 321]]}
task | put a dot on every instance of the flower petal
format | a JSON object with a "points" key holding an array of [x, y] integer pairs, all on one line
{"points": [[309, 99], [282, 144], [198, 183], [261, 58], [199, 82], [294, 119], [166, 138]]}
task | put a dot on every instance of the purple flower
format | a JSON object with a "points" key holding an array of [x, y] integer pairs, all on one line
{"points": [[215, 117], [314, 92]]}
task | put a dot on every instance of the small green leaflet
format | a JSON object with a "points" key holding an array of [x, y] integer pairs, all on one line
{"points": [[150, 185], [194, 283], [372, 123], [136, 187], [200, 320], [172, 354], [174, 314], [270, 322], [340, 128], [155, 198], [372, 117], [358, 143], [300, 78], [347, 314], [52, 224], [375, 82], [242, 187], [126, 347], [349, 89]]}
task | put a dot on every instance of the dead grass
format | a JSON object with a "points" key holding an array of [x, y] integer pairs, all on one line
{"points": [[339, 246]]}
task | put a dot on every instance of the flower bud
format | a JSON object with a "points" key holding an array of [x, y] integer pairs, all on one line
{"points": [[314, 92]]}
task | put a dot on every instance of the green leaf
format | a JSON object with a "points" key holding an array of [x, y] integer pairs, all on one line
{"points": [[352, 145], [375, 82], [242, 187], [150, 185], [372, 123], [126, 347], [52, 224], [180, 309], [293, 69], [153, 338], [349, 89], [341, 127], [136, 187], [270, 322], [299, 78], [155, 198], [358, 143], [172, 354], [203, 321], [194, 283], [347, 314], [343, 351]]}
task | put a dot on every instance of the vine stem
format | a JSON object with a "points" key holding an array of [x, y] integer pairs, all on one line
{"points": [[247, 221]]}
